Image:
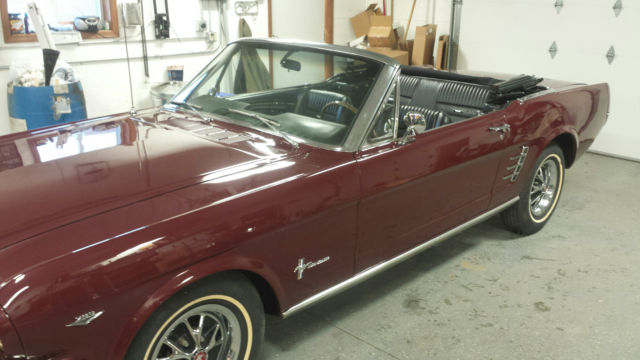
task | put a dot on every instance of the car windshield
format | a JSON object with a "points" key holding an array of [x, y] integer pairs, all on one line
{"points": [[299, 93]]}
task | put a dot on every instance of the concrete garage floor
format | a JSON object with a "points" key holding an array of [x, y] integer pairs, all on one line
{"points": [[571, 291]]}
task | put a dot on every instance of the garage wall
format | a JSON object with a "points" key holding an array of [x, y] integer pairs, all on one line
{"points": [[295, 19], [425, 12], [513, 36], [102, 67], [308, 22]]}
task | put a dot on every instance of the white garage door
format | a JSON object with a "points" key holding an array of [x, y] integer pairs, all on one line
{"points": [[514, 36]]}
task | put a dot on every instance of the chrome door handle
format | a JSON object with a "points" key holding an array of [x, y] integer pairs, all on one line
{"points": [[503, 129]]}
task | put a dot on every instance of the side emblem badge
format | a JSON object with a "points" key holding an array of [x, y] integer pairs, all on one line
{"points": [[85, 319], [302, 266]]}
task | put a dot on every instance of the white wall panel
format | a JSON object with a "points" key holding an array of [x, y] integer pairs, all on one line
{"points": [[513, 36], [295, 19]]}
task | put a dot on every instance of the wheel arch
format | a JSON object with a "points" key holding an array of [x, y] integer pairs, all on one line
{"points": [[265, 290], [569, 145], [192, 277]]}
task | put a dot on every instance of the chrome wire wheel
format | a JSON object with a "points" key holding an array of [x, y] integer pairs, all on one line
{"points": [[206, 332], [545, 188], [537, 199], [220, 317]]}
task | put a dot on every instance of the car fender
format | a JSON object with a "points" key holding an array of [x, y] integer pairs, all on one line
{"points": [[555, 133], [196, 273]]}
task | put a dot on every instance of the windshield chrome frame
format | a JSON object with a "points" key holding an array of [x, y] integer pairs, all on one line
{"points": [[394, 85], [375, 99]]}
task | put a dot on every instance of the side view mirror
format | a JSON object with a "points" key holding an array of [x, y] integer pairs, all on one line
{"points": [[416, 123]]}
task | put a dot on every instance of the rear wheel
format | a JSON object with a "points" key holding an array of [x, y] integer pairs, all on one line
{"points": [[222, 319], [538, 199]]}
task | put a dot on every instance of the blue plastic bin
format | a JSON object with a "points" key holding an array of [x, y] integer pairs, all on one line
{"points": [[36, 107]]}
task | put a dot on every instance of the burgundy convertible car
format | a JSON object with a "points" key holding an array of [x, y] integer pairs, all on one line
{"points": [[282, 174]]}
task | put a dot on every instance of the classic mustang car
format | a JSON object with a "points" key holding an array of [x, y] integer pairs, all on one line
{"points": [[280, 175]]}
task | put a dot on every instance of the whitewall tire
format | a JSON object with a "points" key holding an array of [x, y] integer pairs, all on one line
{"points": [[220, 319], [540, 195]]}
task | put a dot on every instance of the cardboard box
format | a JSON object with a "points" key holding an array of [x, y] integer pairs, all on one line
{"points": [[400, 56], [406, 45], [362, 22], [423, 45], [381, 33], [441, 57]]}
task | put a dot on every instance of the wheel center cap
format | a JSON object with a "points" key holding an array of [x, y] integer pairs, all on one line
{"points": [[201, 356]]}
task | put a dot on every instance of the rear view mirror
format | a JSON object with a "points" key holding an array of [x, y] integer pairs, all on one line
{"points": [[291, 64]]}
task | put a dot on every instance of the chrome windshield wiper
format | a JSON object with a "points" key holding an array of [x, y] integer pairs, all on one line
{"points": [[273, 125], [195, 108]]}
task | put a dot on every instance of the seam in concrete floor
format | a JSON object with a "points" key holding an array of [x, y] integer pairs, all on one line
{"points": [[358, 338]]}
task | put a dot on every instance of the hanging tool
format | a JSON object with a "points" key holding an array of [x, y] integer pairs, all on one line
{"points": [[132, 112], [41, 27], [49, 52], [133, 15], [143, 35], [50, 57], [161, 21], [222, 21], [406, 31]]}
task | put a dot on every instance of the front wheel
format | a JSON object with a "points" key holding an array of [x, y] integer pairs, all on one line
{"points": [[222, 319], [538, 199]]}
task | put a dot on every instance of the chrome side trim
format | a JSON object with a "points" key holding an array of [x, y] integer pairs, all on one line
{"points": [[365, 144], [370, 108], [517, 167], [370, 272]]}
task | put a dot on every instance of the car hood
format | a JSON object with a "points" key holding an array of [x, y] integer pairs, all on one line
{"points": [[54, 176]]}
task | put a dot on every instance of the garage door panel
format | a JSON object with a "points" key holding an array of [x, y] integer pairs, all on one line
{"points": [[514, 36]]}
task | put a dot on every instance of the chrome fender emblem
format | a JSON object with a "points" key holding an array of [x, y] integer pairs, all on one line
{"points": [[302, 266], [517, 167], [85, 319]]}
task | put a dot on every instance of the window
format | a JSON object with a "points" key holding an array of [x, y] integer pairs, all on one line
{"points": [[383, 126], [284, 89], [60, 14]]}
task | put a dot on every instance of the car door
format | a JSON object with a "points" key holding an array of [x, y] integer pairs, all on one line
{"points": [[415, 191]]}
